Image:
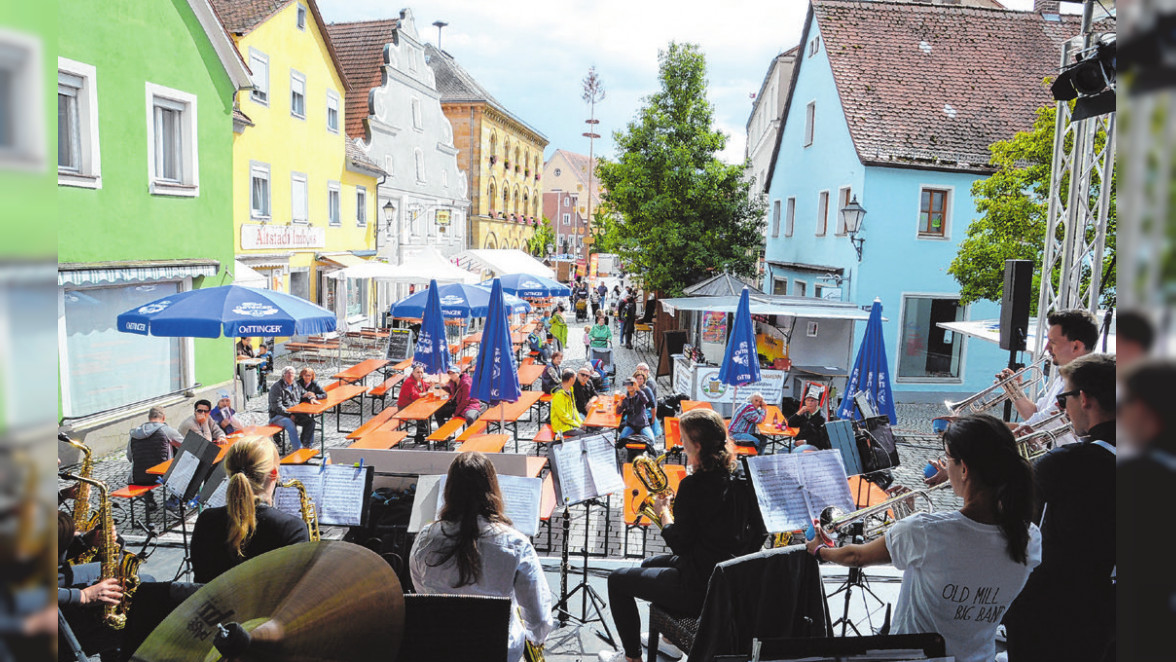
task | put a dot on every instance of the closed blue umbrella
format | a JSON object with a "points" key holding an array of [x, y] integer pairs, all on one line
{"points": [[496, 377], [458, 301], [529, 286], [871, 372], [432, 347], [233, 310], [741, 361]]}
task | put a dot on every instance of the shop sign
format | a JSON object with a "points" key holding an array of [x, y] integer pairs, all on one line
{"points": [[257, 237]]}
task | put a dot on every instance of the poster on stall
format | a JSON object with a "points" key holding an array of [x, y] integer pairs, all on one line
{"points": [[714, 327], [593, 262]]}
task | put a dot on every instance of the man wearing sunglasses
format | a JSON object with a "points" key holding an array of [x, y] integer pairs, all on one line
{"points": [[201, 423], [1066, 610]]}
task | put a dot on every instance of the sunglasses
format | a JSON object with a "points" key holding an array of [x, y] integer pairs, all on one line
{"points": [[1061, 398], [202, 411]]}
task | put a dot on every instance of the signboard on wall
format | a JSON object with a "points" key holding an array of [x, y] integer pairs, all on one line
{"points": [[442, 217], [709, 388], [255, 236]]}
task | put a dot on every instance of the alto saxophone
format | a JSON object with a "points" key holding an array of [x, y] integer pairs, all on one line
{"points": [[306, 506], [653, 477], [83, 521], [115, 561]]}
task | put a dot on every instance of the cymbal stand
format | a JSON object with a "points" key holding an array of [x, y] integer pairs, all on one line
{"points": [[590, 599], [857, 578]]}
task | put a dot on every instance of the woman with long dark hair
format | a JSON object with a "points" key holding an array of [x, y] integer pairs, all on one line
{"points": [[963, 568], [714, 519], [473, 550]]}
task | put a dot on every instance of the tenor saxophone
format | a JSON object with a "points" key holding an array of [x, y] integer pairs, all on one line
{"points": [[83, 520], [115, 561], [306, 507], [651, 474]]}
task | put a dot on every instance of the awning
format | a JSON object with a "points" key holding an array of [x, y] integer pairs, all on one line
{"points": [[138, 271], [503, 261], [265, 260], [769, 305], [341, 259], [989, 331], [243, 275]]}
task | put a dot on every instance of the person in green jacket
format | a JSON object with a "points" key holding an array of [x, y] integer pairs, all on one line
{"points": [[600, 334], [565, 418], [559, 327]]}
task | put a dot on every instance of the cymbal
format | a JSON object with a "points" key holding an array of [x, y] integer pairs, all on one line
{"points": [[311, 602]]}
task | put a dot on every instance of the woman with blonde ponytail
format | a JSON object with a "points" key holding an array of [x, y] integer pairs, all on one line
{"points": [[247, 525]]}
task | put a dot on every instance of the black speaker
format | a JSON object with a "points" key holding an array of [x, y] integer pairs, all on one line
{"points": [[1014, 304]]}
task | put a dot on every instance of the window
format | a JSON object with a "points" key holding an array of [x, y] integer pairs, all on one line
{"points": [[171, 142], [332, 112], [259, 65], [810, 116], [814, 46], [22, 116], [790, 218], [444, 179], [779, 285], [822, 213], [259, 190], [567, 219], [361, 206], [333, 203], [420, 167], [927, 352], [775, 218], [301, 17], [78, 158], [819, 291], [416, 113], [297, 94], [388, 165], [933, 213], [299, 205], [842, 203], [799, 288]]}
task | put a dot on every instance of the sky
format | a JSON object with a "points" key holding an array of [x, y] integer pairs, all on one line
{"points": [[533, 54]]}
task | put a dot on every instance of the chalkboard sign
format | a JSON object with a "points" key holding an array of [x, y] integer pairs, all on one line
{"points": [[399, 345]]}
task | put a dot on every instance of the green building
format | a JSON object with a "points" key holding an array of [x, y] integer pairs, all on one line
{"points": [[145, 203]]}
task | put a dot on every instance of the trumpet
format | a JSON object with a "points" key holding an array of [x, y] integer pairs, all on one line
{"points": [[878, 517], [653, 477], [1043, 439], [1009, 388]]}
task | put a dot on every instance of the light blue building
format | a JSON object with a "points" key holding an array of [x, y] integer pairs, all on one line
{"points": [[895, 104]]}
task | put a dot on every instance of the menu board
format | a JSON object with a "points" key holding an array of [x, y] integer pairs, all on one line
{"points": [[399, 345]]}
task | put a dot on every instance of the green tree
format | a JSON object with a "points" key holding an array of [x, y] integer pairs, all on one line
{"points": [[544, 235], [1013, 204], [685, 214]]}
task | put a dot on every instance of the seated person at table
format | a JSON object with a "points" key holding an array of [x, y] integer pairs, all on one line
{"points": [[224, 416], [634, 411], [535, 344], [584, 390], [412, 389], [473, 550], [247, 525], [458, 386], [811, 426], [201, 423], [245, 348], [714, 519], [311, 391], [150, 444], [565, 418], [643, 384], [743, 423], [286, 393], [553, 375]]}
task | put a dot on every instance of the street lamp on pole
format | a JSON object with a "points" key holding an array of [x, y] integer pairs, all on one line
{"points": [[852, 216]]}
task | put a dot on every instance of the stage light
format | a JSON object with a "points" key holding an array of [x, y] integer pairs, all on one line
{"points": [[1090, 80]]}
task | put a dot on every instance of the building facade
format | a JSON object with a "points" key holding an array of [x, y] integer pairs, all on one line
{"points": [[304, 205], [909, 153], [763, 124], [145, 191], [568, 223], [501, 155]]}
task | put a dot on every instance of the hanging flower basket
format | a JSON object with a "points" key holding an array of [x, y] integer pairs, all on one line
{"points": [[527, 173], [506, 164], [493, 159], [536, 176]]}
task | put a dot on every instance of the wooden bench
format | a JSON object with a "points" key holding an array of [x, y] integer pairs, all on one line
{"points": [[446, 432], [544, 399], [484, 443], [478, 427], [387, 415], [132, 492], [380, 440], [545, 435], [385, 389], [300, 456]]}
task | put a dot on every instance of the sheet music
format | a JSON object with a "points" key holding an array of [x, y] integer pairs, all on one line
{"points": [[575, 479], [792, 490], [520, 498], [218, 497], [602, 464], [287, 500], [183, 470], [426, 504], [344, 489]]}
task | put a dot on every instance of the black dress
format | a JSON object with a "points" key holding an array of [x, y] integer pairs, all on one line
{"points": [[211, 553]]}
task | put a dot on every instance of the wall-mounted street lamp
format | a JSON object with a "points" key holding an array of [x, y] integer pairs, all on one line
{"points": [[852, 215]]}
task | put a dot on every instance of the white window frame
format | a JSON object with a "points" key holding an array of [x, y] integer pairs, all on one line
{"points": [[899, 340], [822, 214], [189, 186], [419, 159], [336, 190], [810, 121], [300, 17], [260, 83], [332, 104], [361, 211], [776, 217], [799, 287], [296, 177], [297, 77], [843, 198], [947, 215], [784, 281], [22, 61], [389, 165], [89, 171], [790, 217], [416, 115], [819, 291], [259, 170], [567, 219]]}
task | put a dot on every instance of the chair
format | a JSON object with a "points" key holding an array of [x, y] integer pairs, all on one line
{"points": [[431, 622], [769, 594]]}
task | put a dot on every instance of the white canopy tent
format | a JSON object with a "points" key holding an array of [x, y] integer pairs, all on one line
{"points": [[247, 277], [770, 305], [502, 261], [421, 267], [989, 331]]}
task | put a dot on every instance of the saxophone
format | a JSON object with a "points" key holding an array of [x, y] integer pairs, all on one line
{"points": [[307, 507], [83, 521], [653, 477], [116, 562]]}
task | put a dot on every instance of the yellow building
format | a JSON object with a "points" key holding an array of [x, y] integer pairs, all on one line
{"points": [[304, 200]]}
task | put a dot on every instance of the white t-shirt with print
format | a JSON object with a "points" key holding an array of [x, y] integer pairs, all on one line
{"points": [[958, 580]]}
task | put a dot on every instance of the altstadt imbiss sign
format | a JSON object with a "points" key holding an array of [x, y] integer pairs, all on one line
{"points": [[256, 236]]}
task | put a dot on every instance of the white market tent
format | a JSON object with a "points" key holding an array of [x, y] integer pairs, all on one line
{"points": [[989, 331], [247, 277], [763, 304], [420, 267], [502, 261]]}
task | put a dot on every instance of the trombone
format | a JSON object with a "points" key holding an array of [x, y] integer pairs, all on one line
{"points": [[1009, 388], [880, 516]]}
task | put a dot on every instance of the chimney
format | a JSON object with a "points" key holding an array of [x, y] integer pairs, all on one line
{"points": [[1046, 6]]}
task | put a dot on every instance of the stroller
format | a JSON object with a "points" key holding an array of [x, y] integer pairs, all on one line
{"points": [[581, 309], [605, 370]]}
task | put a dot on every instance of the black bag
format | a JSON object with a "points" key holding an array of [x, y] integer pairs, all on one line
{"points": [[627, 454], [875, 442], [387, 531]]}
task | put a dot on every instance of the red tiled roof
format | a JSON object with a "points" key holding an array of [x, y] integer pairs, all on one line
{"points": [[935, 85], [361, 51], [241, 16]]}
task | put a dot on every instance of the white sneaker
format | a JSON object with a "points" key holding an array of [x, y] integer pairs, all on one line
{"points": [[663, 648], [611, 656]]}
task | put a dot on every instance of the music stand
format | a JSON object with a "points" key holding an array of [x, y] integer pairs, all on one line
{"points": [[187, 472], [857, 579]]}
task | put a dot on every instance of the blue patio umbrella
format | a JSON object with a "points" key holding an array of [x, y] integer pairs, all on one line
{"points": [[231, 310], [432, 347], [871, 373], [529, 286], [496, 377], [741, 362], [458, 301]]}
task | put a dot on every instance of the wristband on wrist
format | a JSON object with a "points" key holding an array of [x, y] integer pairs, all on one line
{"points": [[817, 551]]}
